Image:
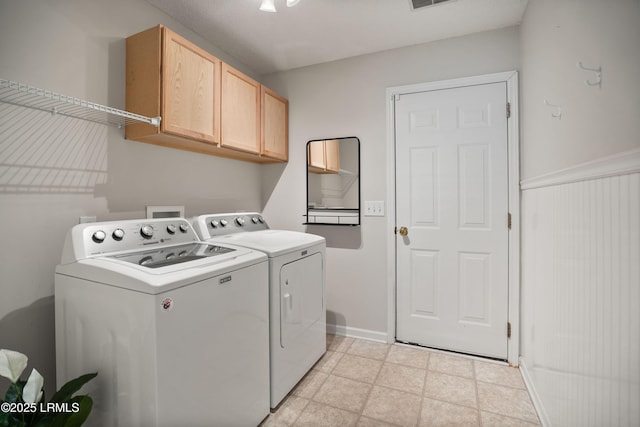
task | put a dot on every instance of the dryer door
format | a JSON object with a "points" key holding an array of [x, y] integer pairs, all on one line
{"points": [[301, 292]]}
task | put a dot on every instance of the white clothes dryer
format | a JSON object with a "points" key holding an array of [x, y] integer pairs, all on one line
{"points": [[297, 309], [177, 329]]}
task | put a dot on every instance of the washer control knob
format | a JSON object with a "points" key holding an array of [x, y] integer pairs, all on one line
{"points": [[171, 229], [261, 220], [254, 220], [223, 222], [184, 227], [240, 221], [215, 223], [117, 234], [146, 231], [99, 236]]}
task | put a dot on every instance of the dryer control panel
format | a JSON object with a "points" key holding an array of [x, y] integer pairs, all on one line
{"points": [[212, 225], [100, 238]]}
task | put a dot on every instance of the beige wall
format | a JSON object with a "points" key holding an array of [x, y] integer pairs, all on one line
{"points": [[347, 98], [54, 169], [596, 122]]}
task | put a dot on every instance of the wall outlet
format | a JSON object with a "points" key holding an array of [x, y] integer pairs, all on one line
{"points": [[373, 208]]}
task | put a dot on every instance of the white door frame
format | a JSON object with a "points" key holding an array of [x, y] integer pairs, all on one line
{"points": [[513, 142]]}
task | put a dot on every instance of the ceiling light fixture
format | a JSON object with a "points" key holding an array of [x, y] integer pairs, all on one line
{"points": [[269, 5]]}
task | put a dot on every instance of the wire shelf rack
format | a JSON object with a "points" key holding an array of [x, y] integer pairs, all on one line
{"points": [[15, 93]]}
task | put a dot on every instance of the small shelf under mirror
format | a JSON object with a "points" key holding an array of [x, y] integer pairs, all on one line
{"points": [[333, 182]]}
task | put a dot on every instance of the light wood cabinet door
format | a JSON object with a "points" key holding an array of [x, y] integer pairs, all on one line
{"points": [[316, 156], [191, 90], [168, 76], [240, 111], [332, 155], [275, 125]]}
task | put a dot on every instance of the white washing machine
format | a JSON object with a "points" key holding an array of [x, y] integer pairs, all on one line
{"points": [[177, 329], [297, 295]]}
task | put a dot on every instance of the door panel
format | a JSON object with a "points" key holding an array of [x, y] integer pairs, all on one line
{"points": [[424, 284], [424, 188], [474, 179], [451, 194], [301, 297]]}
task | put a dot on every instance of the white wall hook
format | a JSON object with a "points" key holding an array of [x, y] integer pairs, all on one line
{"points": [[598, 71], [558, 109]]}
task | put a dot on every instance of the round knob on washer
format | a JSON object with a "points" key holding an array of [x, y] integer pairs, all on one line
{"points": [[223, 222], [99, 236], [254, 220], [146, 231], [240, 221], [117, 234], [215, 223], [184, 228], [261, 220], [171, 229]]}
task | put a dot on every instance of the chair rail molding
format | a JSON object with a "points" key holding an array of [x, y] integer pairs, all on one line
{"points": [[617, 164]]}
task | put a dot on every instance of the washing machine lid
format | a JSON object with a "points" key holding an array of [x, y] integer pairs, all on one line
{"points": [[273, 242], [160, 269]]}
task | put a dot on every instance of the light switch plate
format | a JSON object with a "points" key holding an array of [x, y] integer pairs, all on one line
{"points": [[373, 208]]}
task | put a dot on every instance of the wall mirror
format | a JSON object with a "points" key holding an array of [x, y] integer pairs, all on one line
{"points": [[333, 181]]}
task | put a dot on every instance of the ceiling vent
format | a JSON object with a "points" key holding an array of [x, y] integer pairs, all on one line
{"points": [[417, 4]]}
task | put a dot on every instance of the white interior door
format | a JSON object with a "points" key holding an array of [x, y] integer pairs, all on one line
{"points": [[452, 198]]}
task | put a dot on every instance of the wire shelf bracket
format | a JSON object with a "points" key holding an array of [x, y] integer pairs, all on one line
{"points": [[15, 93]]}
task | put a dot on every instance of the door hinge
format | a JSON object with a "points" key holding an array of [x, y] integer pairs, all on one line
{"points": [[508, 110], [508, 329], [509, 220]]}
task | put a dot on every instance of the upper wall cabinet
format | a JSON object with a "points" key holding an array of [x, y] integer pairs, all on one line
{"points": [[206, 105], [324, 156]]}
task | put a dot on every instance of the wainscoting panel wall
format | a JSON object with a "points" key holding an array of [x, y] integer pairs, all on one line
{"points": [[580, 329]]}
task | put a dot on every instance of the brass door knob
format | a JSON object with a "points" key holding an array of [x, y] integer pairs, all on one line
{"points": [[404, 231]]}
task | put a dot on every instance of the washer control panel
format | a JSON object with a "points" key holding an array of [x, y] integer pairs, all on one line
{"points": [[115, 236], [221, 224]]}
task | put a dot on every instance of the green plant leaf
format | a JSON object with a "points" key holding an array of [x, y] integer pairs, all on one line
{"points": [[78, 418], [70, 419], [12, 394], [4, 417], [8, 420], [67, 390]]}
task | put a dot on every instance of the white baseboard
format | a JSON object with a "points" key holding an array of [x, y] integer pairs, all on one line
{"points": [[352, 332], [535, 399]]}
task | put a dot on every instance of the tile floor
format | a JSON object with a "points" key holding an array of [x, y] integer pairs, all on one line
{"points": [[364, 383]]}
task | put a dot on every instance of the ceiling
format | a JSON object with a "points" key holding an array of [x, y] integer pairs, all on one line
{"points": [[316, 31]]}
